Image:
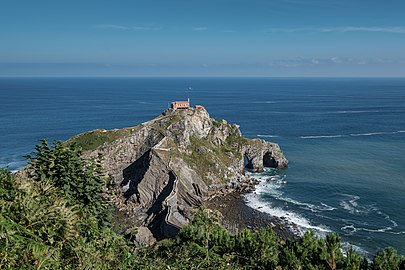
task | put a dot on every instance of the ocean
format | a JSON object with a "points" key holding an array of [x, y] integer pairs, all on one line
{"points": [[344, 138]]}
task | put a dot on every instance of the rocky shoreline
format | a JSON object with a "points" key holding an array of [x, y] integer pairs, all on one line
{"points": [[236, 215]]}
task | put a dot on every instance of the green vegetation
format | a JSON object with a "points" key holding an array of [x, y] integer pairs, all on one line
{"points": [[93, 139], [209, 156], [205, 244], [55, 215], [79, 181]]}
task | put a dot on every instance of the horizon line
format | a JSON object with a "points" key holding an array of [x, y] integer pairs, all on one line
{"points": [[195, 76]]}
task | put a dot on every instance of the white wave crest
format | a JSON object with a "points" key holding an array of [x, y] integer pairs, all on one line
{"points": [[352, 205], [322, 136], [303, 224], [273, 190], [361, 251], [267, 136], [372, 133], [351, 229], [270, 184], [397, 233], [378, 133], [365, 111], [17, 165], [353, 134]]}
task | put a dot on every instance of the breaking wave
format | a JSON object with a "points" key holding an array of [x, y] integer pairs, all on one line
{"points": [[253, 200], [348, 214], [13, 166], [270, 183]]}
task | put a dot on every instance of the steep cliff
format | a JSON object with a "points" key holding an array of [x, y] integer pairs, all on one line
{"points": [[163, 168]]}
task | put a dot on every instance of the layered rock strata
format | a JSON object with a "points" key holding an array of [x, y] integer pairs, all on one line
{"points": [[164, 168]]}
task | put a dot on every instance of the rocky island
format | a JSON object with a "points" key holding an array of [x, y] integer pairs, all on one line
{"points": [[166, 168]]}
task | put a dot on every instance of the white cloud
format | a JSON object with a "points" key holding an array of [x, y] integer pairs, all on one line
{"points": [[332, 61], [400, 30], [395, 30], [289, 63], [143, 28], [286, 30], [336, 60], [113, 26], [126, 28], [140, 28], [198, 29]]}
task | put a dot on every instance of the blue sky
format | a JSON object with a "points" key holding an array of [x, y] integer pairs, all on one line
{"points": [[202, 38]]}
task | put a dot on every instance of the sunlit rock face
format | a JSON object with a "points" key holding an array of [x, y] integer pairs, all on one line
{"points": [[163, 168]]}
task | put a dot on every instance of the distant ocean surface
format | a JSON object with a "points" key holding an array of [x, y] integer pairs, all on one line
{"points": [[344, 138]]}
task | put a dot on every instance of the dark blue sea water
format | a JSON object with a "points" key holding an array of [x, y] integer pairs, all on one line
{"points": [[344, 138]]}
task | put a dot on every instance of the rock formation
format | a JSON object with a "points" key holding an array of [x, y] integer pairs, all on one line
{"points": [[260, 154], [163, 168]]}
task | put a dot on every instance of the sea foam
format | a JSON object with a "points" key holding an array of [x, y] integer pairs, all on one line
{"points": [[270, 184], [303, 224], [351, 204]]}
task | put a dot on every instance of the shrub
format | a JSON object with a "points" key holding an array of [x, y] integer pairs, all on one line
{"points": [[79, 180]]}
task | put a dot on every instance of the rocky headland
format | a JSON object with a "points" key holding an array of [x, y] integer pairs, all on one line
{"points": [[166, 168]]}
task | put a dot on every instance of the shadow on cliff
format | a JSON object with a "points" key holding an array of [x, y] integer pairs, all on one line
{"points": [[134, 174], [255, 162], [159, 212], [269, 160]]}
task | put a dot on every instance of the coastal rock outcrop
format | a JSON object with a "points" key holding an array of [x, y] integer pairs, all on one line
{"points": [[164, 168], [260, 154]]}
